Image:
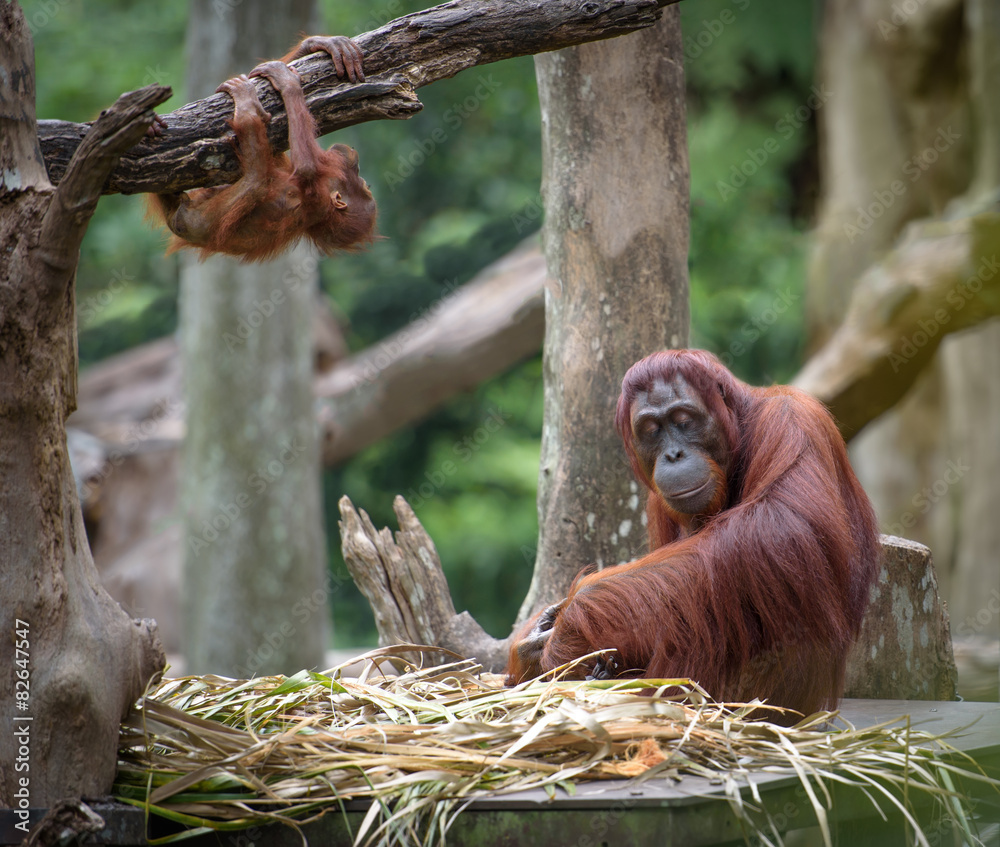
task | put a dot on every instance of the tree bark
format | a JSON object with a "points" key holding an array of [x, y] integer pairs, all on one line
{"points": [[916, 105], [406, 53], [616, 246], [615, 182], [75, 661], [254, 546], [402, 578], [943, 277]]}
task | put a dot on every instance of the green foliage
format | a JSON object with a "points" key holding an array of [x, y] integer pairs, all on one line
{"points": [[457, 187], [84, 59], [470, 473], [86, 55], [749, 71], [732, 48]]}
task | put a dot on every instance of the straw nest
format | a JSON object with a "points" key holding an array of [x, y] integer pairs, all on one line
{"points": [[221, 754]]}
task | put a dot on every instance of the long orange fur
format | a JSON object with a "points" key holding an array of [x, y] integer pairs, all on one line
{"points": [[762, 599]]}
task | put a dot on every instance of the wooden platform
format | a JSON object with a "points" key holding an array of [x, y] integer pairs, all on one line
{"points": [[689, 814]]}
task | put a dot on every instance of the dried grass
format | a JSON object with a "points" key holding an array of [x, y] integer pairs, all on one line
{"points": [[221, 754]]}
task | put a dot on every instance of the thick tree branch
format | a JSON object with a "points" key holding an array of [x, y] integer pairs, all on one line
{"points": [[473, 334], [89, 659], [943, 277], [401, 56], [196, 148]]}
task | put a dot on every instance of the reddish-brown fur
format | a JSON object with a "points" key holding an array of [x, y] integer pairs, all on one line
{"points": [[761, 599], [313, 193]]}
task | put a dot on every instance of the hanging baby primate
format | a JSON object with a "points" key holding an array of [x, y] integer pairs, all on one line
{"points": [[311, 192]]}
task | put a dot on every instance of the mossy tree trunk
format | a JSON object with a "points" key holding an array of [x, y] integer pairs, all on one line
{"points": [[254, 552], [72, 660], [615, 185], [909, 150]]}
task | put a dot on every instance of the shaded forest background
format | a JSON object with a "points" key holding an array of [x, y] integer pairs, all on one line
{"points": [[457, 188]]}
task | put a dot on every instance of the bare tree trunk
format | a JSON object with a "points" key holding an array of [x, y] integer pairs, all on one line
{"points": [[970, 368], [912, 133], [254, 551], [895, 83], [616, 195], [615, 184], [75, 662]]}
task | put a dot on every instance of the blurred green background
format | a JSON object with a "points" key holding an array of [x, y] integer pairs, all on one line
{"points": [[749, 68]]}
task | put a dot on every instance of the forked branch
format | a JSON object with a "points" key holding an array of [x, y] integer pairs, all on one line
{"points": [[403, 581]]}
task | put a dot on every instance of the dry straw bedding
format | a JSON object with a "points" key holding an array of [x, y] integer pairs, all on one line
{"points": [[221, 754]]}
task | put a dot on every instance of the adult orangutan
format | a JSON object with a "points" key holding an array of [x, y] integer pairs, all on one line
{"points": [[764, 546], [313, 193]]}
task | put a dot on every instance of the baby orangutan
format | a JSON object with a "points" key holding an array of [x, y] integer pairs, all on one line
{"points": [[277, 200]]}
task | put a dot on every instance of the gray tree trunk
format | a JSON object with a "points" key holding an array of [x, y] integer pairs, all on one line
{"points": [[74, 662], [615, 184], [915, 104], [615, 188], [254, 566], [970, 369]]}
